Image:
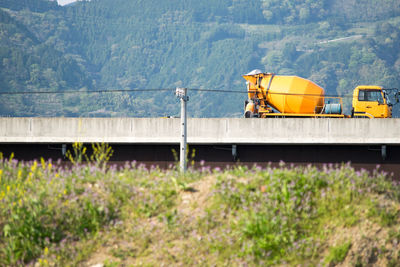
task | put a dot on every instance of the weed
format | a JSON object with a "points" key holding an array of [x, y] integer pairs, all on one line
{"points": [[385, 215], [338, 253], [122, 253], [190, 156], [170, 218], [78, 153], [394, 235], [393, 263], [110, 263], [101, 154], [180, 184]]}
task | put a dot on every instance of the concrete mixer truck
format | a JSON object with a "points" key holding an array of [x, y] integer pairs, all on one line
{"points": [[271, 95]]}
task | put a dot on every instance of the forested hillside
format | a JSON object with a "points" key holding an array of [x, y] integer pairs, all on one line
{"points": [[120, 44]]}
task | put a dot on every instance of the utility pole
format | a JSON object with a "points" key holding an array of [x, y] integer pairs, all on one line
{"points": [[182, 94]]}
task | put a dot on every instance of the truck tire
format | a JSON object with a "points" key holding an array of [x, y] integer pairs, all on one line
{"points": [[248, 114]]}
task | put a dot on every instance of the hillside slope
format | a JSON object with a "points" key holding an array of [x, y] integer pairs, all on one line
{"points": [[106, 44]]}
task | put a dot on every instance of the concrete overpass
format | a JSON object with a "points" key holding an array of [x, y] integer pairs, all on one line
{"points": [[364, 142], [201, 131]]}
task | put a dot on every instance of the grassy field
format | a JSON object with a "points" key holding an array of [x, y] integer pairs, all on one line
{"points": [[132, 216]]}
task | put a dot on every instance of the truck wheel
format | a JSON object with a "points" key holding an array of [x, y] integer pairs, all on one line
{"points": [[248, 114]]}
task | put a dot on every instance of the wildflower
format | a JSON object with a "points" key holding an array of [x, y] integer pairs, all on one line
{"points": [[43, 163], [34, 166]]}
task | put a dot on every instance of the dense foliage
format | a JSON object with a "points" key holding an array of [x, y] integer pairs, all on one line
{"points": [[104, 44]]}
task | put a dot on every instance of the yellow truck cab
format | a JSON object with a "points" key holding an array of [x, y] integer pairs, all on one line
{"points": [[370, 102]]}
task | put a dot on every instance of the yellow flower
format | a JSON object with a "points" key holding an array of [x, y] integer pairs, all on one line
{"points": [[28, 180], [43, 163], [49, 166], [34, 166], [46, 251], [8, 188], [19, 175]]}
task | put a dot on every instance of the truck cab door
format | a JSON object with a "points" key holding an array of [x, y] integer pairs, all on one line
{"points": [[371, 103]]}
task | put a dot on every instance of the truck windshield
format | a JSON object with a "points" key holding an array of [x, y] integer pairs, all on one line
{"points": [[370, 95]]}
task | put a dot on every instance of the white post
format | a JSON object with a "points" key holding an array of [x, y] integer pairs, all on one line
{"points": [[182, 94]]}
